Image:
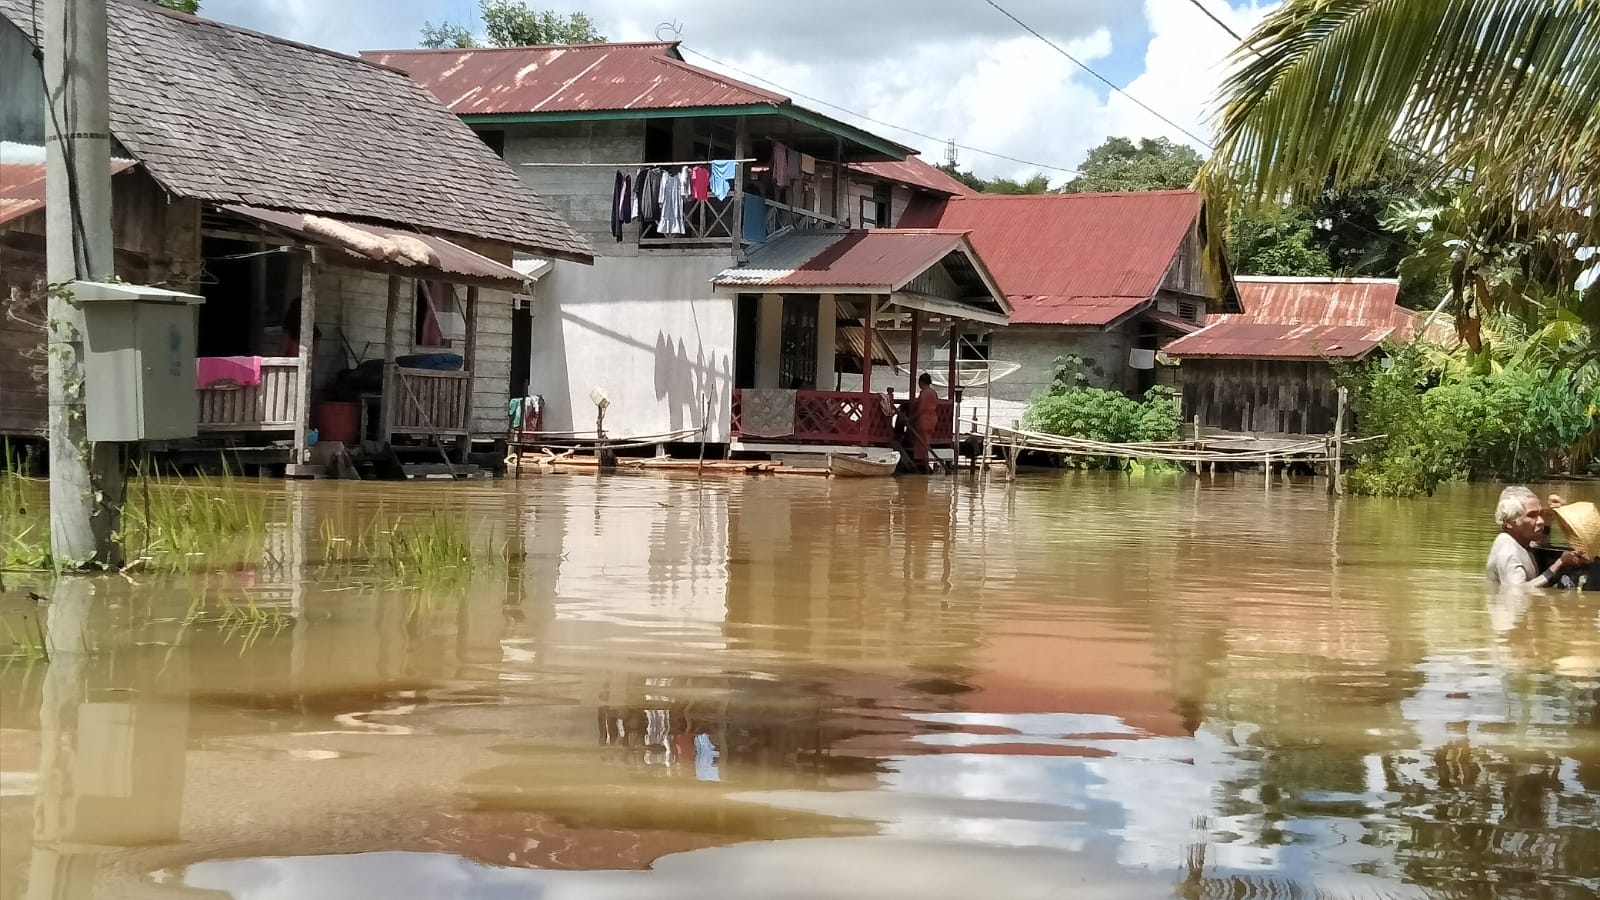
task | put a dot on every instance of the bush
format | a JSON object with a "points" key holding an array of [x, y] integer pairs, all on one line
{"points": [[1071, 408]]}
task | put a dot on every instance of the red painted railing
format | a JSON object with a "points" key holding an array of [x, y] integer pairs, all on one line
{"points": [[842, 417]]}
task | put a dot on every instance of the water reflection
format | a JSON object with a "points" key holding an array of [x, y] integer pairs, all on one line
{"points": [[808, 688]]}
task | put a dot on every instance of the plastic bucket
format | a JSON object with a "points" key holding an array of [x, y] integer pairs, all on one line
{"points": [[337, 421]]}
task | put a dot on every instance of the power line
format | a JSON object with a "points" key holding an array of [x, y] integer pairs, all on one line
{"points": [[1213, 17], [1104, 80], [866, 118]]}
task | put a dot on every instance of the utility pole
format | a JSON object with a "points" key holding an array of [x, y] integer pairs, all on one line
{"points": [[86, 482]]}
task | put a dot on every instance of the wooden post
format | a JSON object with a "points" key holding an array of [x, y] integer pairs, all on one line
{"points": [[705, 426], [308, 326], [867, 345], [1016, 427], [470, 361], [950, 388], [1336, 474], [740, 151], [838, 176], [389, 399], [916, 345]]}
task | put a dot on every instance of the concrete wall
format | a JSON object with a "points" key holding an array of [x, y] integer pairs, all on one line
{"points": [[353, 301], [645, 328], [21, 89], [580, 194]]}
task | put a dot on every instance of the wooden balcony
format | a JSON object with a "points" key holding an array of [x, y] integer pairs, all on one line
{"points": [[268, 406], [429, 402], [709, 222], [840, 418]]}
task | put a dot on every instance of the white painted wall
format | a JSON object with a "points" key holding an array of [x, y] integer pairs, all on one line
{"points": [[648, 330]]}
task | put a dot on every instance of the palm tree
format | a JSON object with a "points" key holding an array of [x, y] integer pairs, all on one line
{"points": [[1503, 95]]}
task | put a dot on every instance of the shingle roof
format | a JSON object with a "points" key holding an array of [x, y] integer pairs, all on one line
{"points": [[231, 116], [915, 172], [1071, 259], [1303, 318]]}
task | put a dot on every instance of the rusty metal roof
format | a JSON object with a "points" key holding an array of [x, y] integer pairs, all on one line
{"points": [[915, 172], [573, 78], [1303, 318], [450, 259], [22, 188], [1071, 259], [874, 261]]}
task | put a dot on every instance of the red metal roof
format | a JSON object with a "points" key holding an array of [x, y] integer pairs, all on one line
{"points": [[1070, 259], [916, 173], [1303, 318], [22, 188], [577, 78], [449, 258]]}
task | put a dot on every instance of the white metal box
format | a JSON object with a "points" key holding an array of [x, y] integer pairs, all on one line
{"points": [[139, 361]]}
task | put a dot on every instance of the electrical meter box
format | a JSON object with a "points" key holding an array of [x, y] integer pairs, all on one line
{"points": [[139, 361]]}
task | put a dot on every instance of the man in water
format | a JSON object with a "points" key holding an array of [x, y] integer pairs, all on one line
{"points": [[924, 417], [1522, 521]]}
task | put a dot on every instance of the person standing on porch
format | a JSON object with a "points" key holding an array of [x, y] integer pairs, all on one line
{"points": [[924, 418]]}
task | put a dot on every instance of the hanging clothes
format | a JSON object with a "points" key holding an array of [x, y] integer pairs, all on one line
{"points": [[723, 171], [671, 199], [780, 164], [648, 188], [754, 219], [640, 179], [699, 183], [621, 203]]}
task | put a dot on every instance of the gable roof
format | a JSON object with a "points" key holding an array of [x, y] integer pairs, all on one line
{"points": [[226, 115], [1303, 318], [1071, 259], [886, 261], [917, 173], [591, 81]]}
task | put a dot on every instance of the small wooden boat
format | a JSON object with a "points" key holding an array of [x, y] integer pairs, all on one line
{"points": [[873, 464]]}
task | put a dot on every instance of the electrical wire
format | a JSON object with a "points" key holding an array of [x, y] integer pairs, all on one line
{"points": [[1213, 17], [866, 118], [1104, 80]]}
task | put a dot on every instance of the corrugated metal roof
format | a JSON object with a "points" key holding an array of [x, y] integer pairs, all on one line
{"points": [[449, 258], [876, 261], [1325, 301], [22, 188], [915, 172], [226, 115], [1070, 259], [576, 78], [850, 343], [1303, 318], [1176, 323], [1277, 340]]}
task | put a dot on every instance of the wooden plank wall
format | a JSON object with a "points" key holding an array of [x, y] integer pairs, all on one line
{"points": [[1268, 396]]}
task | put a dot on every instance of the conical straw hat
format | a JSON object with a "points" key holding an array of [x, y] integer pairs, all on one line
{"points": [[1581, 522]]}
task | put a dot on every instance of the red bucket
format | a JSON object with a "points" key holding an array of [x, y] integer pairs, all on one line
{"points": [[337, 421]]}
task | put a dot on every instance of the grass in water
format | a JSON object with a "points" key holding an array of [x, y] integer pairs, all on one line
{"points": [[24, 517], [430, 549]]}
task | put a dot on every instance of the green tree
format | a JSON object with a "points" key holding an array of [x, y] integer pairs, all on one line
{"points": [[512, 23], [1153, 164], [965, 177], [1501, 97], [192, 7], [1277, 243]]}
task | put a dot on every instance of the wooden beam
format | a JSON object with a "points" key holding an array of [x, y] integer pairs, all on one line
{"points": [[308, 330], [955, 420], [916, 346], [470, 360], [387, 415], [740, 148]]}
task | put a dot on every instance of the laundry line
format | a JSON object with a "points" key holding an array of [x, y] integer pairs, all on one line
{"points": [[635, 164]]}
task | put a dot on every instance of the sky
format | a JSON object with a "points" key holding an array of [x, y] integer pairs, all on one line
{"points": [[944, 69]]}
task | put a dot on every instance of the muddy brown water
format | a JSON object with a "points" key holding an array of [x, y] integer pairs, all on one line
{"points": [[1076, 686]]}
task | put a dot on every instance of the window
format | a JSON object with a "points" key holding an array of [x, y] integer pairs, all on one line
{"points": [[974, 347], [436, 317], [875, 210], [1189, 311]]}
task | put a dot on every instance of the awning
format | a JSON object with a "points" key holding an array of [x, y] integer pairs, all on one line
{"points": [[850, 344], [1170, 321], [428, 255], [937, 271]]}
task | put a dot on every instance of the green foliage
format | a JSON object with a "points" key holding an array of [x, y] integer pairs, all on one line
{"points": [[192, 7], [512, 23], [1277, 244], [1467, 418], [1072, 408], [967, 178], [1153, 164]]}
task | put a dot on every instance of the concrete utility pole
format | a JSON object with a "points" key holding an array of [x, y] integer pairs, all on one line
{"points": [[86, 483]]}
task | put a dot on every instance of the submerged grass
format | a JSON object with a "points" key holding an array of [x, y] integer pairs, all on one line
{"points": [[425, 550]]}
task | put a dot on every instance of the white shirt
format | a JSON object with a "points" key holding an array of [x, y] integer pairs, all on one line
{"points": [[1510, 562]]}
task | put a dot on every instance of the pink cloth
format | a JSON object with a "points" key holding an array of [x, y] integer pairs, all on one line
{"points": [[240, 371], [699, 183]]}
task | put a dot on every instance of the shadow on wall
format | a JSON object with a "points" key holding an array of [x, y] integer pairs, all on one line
{"points": [[687, 384]]}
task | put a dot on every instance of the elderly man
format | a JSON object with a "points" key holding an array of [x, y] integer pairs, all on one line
{"points": [[1522, 521]]}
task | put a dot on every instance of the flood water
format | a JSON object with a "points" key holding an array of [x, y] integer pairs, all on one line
{"points": [[1074, 686]]}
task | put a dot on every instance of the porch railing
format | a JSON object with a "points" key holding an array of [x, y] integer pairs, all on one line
{"points": [[782, 217], [841, 417], [429, 402], [268, 406], [709, 221]]}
